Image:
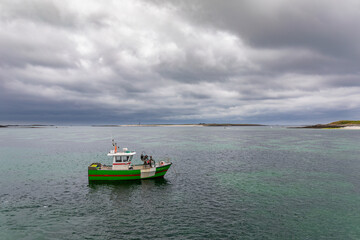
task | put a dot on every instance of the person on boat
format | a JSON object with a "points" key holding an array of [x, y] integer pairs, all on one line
{"points": [[142, 157], [145, 159]]}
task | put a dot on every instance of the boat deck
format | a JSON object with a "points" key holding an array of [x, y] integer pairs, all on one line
{"points": [[135, 167], [105, 167]]}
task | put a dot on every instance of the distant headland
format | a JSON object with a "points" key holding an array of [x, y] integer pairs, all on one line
{"points": [[347, 124]]}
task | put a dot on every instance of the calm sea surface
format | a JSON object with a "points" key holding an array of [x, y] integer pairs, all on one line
{"points": [[225, 183]]}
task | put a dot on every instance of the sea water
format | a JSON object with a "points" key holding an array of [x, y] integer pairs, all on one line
{"points": [[225, 183]]}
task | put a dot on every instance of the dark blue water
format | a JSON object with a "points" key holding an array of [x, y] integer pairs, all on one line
{"points": [[233, 183]]}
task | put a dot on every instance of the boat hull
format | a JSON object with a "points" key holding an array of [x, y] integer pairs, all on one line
{"points": [[123, 175]]}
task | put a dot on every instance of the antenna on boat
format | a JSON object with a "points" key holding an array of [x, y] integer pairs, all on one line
{"points": [[114, 145]]}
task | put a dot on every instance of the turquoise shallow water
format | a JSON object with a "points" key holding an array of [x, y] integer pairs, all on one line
{"points": [[233, 183]]}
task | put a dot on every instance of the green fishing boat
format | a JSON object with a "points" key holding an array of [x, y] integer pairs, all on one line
{"points": [[123, 169]]}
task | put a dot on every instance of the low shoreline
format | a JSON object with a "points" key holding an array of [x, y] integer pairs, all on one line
{"points": [[141, 125], [26, 126], [149, 125], [183, 125]]}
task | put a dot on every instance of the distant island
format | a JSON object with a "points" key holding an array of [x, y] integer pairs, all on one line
{"points": [[144, 125], [27, 126], [347, 124], [184, 125], [230, 125], [350, 124]]}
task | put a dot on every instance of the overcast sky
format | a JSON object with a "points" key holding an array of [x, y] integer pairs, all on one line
{"points": [[190, 61]]}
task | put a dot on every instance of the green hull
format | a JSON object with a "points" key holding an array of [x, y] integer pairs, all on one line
{"points": [[115, 175]]}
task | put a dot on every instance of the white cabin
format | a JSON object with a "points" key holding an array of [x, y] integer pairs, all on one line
{"points": [[121, 160]]}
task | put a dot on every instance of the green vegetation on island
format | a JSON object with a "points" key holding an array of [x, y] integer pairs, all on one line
{"points": [[345, 122], [337, 124]]}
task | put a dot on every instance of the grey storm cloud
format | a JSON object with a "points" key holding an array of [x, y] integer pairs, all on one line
{"points": [[183, 61]]}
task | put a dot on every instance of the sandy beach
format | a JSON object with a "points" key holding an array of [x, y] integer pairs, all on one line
{"points": [[352, 127]]}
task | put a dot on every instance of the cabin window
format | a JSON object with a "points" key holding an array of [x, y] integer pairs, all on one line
{"points": [[123, 158]]}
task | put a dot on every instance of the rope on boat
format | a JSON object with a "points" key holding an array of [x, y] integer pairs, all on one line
{"points": [[175, 171]]}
